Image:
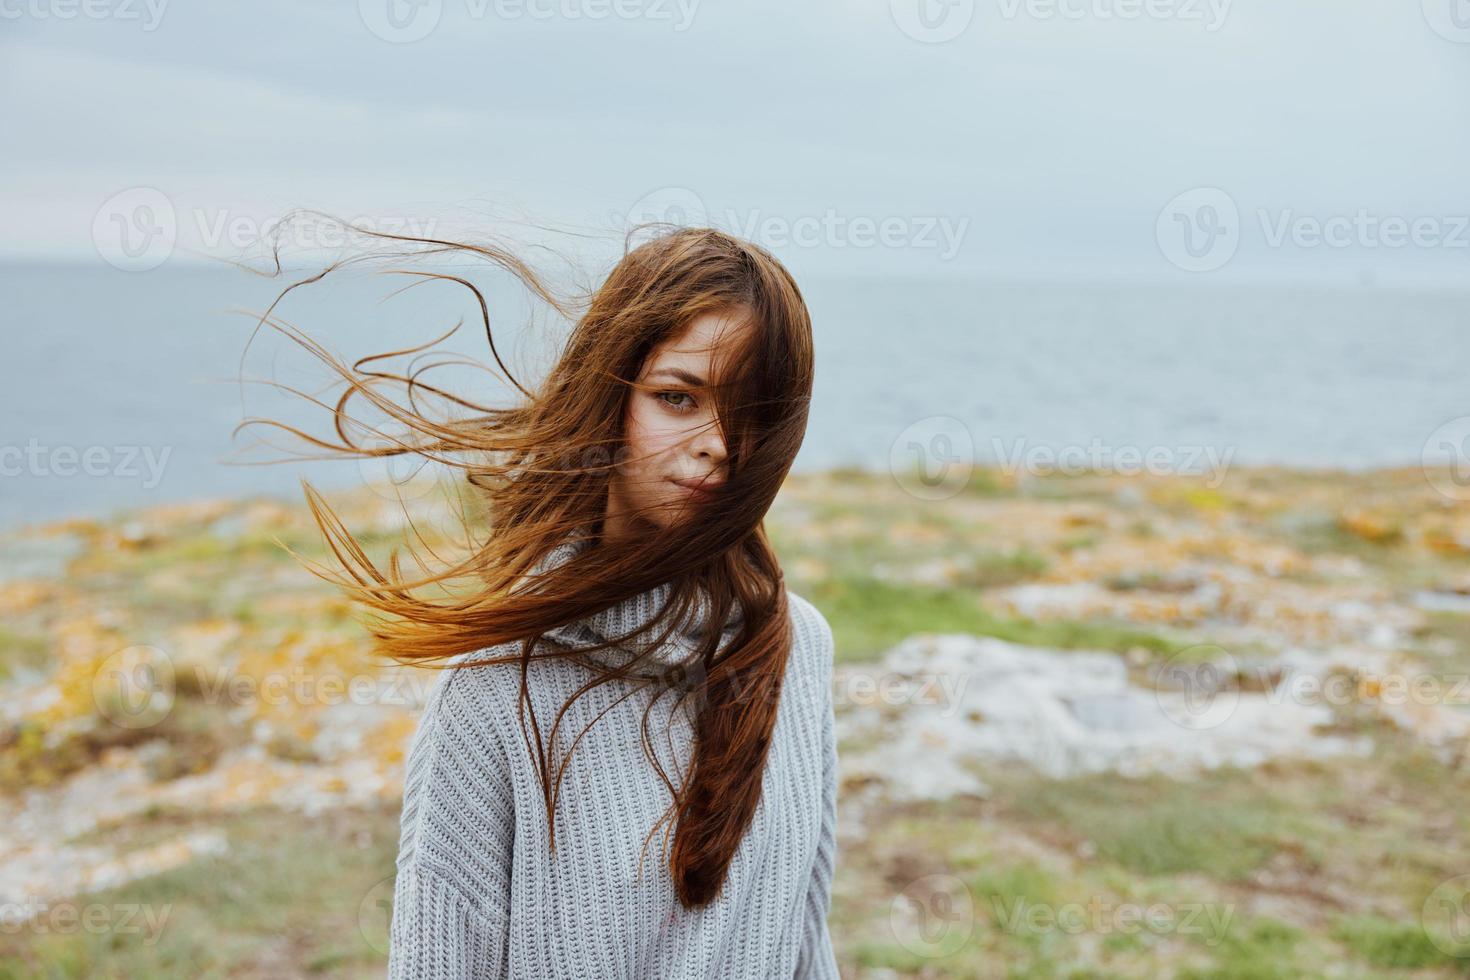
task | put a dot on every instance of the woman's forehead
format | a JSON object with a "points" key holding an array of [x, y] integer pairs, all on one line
{"points": [[693, 356]]}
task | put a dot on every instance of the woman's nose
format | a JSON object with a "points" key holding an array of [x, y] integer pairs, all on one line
{"points": [[709, 441]]}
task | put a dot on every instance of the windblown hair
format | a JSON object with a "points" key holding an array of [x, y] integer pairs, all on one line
{"points": [[542, 466]]}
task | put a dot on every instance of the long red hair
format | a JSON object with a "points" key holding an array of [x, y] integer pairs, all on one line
{"points": [[541, 469]]}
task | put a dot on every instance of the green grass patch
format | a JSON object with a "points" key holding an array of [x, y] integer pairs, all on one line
{"points": [[869, 616], [1157, 826], [992, 569], [283, 901], [1395, 945], [1257, 950]]}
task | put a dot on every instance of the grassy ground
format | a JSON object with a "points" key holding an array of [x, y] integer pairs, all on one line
{"points": [[1291, 871], [1295, 869], [289, 898]]}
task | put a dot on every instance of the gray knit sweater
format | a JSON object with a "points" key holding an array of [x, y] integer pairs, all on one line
{"points": [[477, 892]]}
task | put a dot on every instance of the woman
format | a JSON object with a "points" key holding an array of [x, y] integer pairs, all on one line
{"points": [[625, 499]]}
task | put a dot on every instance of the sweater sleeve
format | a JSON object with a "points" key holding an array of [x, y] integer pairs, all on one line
{"points": [[451, 895], [439, 934], [817, 960]]}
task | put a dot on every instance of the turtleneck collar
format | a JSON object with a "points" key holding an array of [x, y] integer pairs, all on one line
{"points": [[680, 647]]}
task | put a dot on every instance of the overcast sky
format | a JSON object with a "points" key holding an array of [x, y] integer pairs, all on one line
{"points": [[1151, 138]]}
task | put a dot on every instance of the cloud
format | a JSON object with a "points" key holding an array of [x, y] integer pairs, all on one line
{"points": [[1057, 128]]}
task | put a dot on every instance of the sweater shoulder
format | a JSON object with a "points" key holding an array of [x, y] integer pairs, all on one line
{"points": [[811, 633], [455, 713], [473, 687]]}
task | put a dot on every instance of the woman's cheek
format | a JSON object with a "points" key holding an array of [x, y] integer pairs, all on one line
{"points": [[660, 435], [642, 434]]}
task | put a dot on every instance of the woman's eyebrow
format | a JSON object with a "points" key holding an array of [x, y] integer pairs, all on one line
{"points": [[681, 374]]}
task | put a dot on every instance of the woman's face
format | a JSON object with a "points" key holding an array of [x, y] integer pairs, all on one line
{"points": [[673, 440]]}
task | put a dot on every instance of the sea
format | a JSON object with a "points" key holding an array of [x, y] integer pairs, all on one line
{"points": [[126, 389]]}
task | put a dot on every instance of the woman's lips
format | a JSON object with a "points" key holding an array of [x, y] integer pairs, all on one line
{"points": [[699, 489]]}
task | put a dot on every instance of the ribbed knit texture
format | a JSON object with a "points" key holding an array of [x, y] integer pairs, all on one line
{"points": [[477, 892]]}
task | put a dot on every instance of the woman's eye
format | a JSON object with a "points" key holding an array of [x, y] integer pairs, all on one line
{"points": [[683, 406]]}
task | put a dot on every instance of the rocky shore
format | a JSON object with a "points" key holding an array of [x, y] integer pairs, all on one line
{"points": [[1004, 654]]}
